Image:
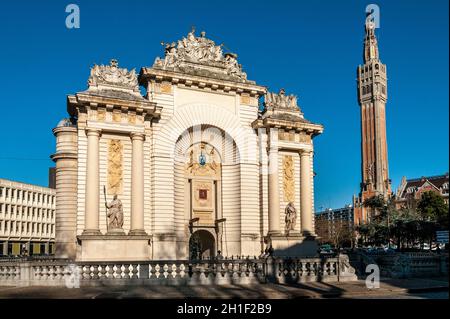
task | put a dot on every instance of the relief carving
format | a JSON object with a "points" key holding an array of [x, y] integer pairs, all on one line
{"points": [[117, 117], [101, 115], [115, 178], [132, 118], [288, 178], [166, 88], [304, 138]]}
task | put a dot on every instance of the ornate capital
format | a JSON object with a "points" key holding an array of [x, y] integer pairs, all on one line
{"points": [[137, 136], [93, 131], [305, 152]]}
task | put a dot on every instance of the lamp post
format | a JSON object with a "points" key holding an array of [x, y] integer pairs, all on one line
{"points": [[217, 222]]}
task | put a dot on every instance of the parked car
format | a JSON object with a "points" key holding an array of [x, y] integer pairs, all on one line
{"points": [[326, 249]]}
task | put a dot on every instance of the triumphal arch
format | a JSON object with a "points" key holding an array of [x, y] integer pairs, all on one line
{"points": [[189, 159]]}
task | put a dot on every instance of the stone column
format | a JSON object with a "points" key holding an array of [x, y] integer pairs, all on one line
{"points": [[5, 248], [66, 161], [274, 192], [306, 193], [137, 185], [92, 184]]}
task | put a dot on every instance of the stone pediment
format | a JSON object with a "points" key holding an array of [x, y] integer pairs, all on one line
{"points": [[200, 56]]}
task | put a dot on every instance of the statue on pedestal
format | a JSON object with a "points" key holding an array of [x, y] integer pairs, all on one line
{"points": [[290, 217], [115, 214]]}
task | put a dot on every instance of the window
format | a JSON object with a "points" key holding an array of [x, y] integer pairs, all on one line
{"points": [[7, 193], [1, 191]]}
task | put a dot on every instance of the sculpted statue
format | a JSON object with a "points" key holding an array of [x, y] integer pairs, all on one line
{"points": [[199, 50], [281, 100], [115, 213], [112, 74], [370, 172], [290, 217]]}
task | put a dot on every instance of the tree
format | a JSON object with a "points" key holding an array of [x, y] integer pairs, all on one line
{"points": [[432, 207], [377, 205]]}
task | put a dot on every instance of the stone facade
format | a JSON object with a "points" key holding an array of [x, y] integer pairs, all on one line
{"points": [[197, 163], [27, 219]]}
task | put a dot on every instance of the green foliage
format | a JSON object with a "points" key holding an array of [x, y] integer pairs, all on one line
{"points": [[375, 202], [405, 227], [432, 207]]}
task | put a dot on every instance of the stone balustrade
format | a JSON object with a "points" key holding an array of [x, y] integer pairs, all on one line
{"points": [[410, 264], [174, 272]]}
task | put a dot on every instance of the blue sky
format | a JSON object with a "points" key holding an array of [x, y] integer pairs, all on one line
{"points": [[310, 48]]}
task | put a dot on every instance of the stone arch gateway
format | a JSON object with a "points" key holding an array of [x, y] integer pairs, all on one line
{"points": [[254, 153]]}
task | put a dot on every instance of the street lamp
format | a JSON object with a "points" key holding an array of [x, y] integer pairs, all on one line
{"points": [[191, 223]]}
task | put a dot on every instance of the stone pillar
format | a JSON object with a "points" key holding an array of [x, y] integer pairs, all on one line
{"points": [[137, 185], [92, 184], [306, 193], [274, 192], [5, 248], [47, 248], [66, 183]]}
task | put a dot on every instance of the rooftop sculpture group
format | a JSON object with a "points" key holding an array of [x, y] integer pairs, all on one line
{"points": [[200, 50]]}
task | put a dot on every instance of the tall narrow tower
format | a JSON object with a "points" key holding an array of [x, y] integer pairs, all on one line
{"points": [[372, 97]]}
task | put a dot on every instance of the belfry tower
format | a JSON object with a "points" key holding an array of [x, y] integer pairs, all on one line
{"points": [[372, 97]]}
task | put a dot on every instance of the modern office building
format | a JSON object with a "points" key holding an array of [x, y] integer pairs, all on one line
{"points": [[27, 219]]}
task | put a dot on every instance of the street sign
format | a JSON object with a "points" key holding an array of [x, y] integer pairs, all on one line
{"points": [[442, 236]]}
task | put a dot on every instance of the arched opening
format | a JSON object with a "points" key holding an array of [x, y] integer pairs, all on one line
{"points": [[202, 245], [207, 188]]}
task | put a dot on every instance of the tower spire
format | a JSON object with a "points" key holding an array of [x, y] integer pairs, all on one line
{"points": [[370, 41], [372, 98]]}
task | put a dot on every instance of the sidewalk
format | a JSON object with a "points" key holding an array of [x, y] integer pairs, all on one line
{"points": [[272, 291]]}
